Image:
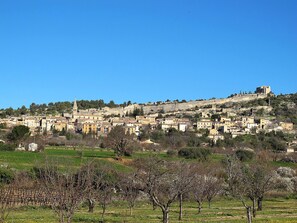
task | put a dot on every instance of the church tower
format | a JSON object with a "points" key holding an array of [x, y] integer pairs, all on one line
{"points": [[74, 109]]}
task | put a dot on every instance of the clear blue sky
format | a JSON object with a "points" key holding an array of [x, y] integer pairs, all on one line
{"points": [[144, 50]]}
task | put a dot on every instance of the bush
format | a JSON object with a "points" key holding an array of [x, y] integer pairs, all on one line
{"points": [[7, 147], [171, 153], [6, 176], [244, 155], [194, 153]]}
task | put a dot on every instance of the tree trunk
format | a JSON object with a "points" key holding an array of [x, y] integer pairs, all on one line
{"points": [[154, 205], [254, 207], [165, 212], [103, 212], [248, 214], [209, 204], [260, 199], [180, 207], [130, 210], [62, 218], [69, 219], [91, 205], [199, 206]]}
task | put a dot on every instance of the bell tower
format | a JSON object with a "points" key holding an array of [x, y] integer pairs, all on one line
{"points": [[74, 109]]}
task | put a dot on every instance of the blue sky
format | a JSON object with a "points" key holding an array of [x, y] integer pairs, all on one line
{"points": [[149, 50]]}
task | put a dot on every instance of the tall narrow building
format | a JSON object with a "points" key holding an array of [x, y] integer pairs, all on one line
{"points": [[74, 109]]}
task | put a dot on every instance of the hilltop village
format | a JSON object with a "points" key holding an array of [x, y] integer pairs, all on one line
{"points": [[217, 116]]}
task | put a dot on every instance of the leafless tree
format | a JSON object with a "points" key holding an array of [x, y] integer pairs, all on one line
{"points": [[66, 190], [213, 187], [160, 180], [198, 190], [185, 174], [248, 181], [236, 186], [129, 189], [104, 185], [258, 180], [206, 184]]}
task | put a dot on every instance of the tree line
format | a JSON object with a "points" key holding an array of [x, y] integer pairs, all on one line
{"points": [[58, 107]]}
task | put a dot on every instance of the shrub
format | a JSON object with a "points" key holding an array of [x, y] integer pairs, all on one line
{"points": [[6, 176], [194, 153], [7, 147], [244, 155], [171, 153]]}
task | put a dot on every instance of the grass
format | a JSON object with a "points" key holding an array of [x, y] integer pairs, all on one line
{"points": [[75, 157], [67, 156], [222, 210]]}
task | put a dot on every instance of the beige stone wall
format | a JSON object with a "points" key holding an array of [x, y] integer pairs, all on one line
{"points": [[192, 104], [172, 107]]}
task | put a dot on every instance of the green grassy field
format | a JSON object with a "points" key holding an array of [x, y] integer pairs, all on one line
{"points": [[222, 210], [21, 160], [25, 160], [75, 157]]}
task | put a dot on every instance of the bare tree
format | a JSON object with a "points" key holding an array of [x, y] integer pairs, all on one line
{"points": [[66, 191], [206, 184], [160, 180], [258, 180], [248, 181], [213, 187], [129, 189], [185, 174], [104, 185], [236, 186], [198, 190]]}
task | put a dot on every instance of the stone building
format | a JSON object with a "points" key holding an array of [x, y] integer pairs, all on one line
{"points": [[263, 90]]}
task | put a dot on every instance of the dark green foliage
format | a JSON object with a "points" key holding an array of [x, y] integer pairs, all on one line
{"points": [[171, 152], [6, 176], [18, 133], [215, 117], [7, 147], [3, 126], [111, 104], [157, 135], [194, 153], [254, 103], [56, 107], [270, 141], [194, 141], [244, 155], [285, 107], [40, 172], [138, 112]]}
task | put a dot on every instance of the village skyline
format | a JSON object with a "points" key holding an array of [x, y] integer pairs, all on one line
{"points": [[124, 103]]}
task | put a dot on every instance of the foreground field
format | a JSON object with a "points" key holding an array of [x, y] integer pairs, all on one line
{"points": [[222, 210]]}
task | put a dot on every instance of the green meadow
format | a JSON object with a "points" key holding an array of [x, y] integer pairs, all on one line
{"points": [[275, 209]]}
